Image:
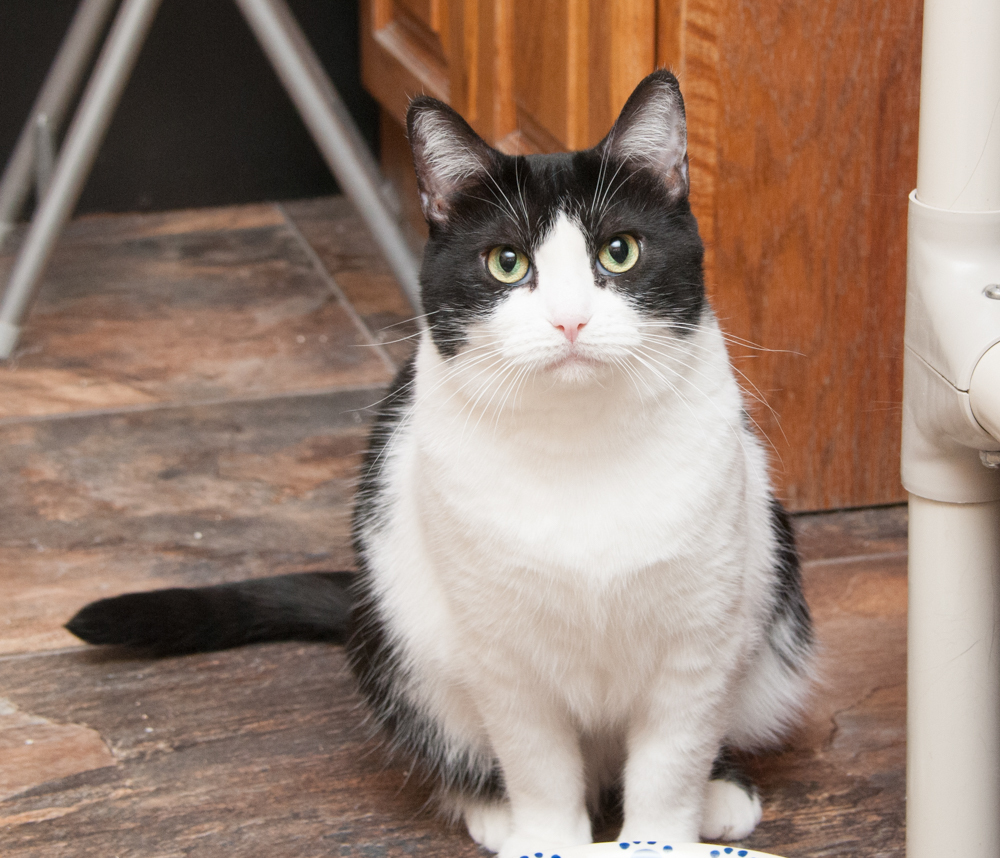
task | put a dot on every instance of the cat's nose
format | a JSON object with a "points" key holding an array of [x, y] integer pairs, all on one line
{"points": [[570, 327]]}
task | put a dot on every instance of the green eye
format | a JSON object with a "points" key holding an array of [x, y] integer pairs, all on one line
{"points": [[619, 254], [507, 265]]}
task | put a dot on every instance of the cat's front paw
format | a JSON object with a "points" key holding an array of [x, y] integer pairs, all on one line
{"points": [[490, 823], [732, 811], [551, 834]]}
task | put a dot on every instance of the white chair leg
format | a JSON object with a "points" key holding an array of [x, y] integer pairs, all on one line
{"points": [[118, 56], [332, 129], [61, 84]]}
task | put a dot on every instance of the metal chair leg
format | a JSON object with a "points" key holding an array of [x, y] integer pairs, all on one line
{"points": [[332, 129], [76, 158], [312, 92], [61, 84]]}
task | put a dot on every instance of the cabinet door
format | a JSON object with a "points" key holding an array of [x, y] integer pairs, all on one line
{"points": [[575, 65], [816, 153], [405, 51]]}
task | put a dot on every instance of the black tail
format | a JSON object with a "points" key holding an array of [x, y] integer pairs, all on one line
{"points": [[310, 606]]}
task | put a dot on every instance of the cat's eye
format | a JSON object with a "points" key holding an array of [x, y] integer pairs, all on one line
{"points": [[507, 264], [619, 255]]}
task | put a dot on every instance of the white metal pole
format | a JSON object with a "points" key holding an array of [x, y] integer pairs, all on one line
{"points": [[76, 157], [332, 129], [953, 708], [61, 84]]}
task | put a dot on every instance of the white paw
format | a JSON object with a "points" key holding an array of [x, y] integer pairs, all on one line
{"points": [[489, 822], [730, 813]]}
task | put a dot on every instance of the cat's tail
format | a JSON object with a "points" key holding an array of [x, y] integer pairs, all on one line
{"points": [[309, 606]]}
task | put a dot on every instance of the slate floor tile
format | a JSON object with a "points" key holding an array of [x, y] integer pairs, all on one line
{"points": [[166, 315]]}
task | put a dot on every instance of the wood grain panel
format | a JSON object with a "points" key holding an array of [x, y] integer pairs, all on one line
{"points": [[687, 44], [621, 52], [550, 42], [483, 68], [576, 64], [404, 55], [428, 12], [817, 152], [423, 26]]}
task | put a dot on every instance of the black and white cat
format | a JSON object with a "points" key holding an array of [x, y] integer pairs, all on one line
{"points": [[573, 573]]}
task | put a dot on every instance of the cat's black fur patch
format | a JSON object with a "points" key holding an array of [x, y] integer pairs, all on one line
{"points": [[392, 409], [727, 768], [311, 606], [790, 629], [370, 648]]}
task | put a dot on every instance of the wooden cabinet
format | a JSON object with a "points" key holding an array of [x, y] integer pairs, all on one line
{"points": [[802, 121]]}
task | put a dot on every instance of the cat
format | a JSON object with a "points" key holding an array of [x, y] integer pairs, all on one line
{"points": [[573, 573]]}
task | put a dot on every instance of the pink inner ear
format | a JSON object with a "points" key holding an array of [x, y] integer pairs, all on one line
{"points": [[433, 207]]}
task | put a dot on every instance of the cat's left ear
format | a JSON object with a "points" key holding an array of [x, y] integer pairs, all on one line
{"points": [[447, 154], [651, 131]]}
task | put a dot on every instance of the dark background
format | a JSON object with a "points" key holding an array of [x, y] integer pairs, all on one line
{"points": [[204, 119]]}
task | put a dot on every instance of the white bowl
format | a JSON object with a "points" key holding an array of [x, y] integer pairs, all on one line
{"points": [[650, 848]]}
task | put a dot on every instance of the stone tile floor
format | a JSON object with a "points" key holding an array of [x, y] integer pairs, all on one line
{"points": [[188, 405]]}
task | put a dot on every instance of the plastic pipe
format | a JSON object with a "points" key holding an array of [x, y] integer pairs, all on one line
{"points": [[958, 160], [953, 684], [953, 740], [984, 391]]}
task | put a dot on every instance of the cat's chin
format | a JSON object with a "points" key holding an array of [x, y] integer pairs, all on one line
{"points": [[575, 369]]}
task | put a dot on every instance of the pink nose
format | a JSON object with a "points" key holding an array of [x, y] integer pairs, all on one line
{"points": [[571, 328]]}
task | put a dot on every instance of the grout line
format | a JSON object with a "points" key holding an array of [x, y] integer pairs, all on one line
{"points": [[334, 287], [377, 389], [857, 558]]}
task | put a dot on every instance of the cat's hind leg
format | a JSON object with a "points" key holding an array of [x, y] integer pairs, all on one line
{"points": [[732, 803], [779, 678], [771, 695]]}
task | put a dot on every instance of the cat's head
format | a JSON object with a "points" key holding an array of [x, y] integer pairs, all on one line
{"points": [[567, 265]]}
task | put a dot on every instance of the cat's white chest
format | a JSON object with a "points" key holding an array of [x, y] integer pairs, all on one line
{"points": [[599, 519], [592, 572], [559, 494]]}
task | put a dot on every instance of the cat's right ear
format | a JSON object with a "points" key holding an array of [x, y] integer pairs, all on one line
{"points": [[447, 155], [651, 131]]}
